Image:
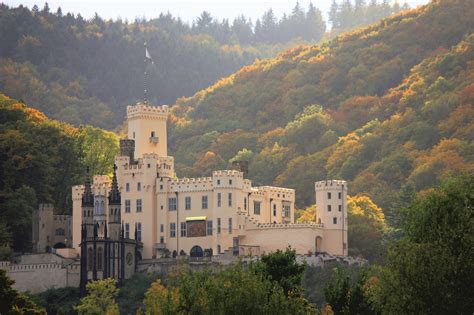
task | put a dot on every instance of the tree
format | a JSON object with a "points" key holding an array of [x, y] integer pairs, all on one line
{"points": [[100, 298], [281, 267], [429, 270], [366, 228], [14, 302], [349, 297], [160, 300]]}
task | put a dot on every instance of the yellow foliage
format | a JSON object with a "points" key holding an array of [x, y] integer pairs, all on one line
{"points": [[306, 215], [364, 206]]}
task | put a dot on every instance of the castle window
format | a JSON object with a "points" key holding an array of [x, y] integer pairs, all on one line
{"points": [[89, 258], [127, 230], [162, 239], [152, 134], [219, 199], [161, 187], [329, 195], [230, 199], [286, 209], [187, 203], [218, 182], [162, 228], [209, 227], [183, 229], [245, 203], [172, 229], [139, 205], [334, 220], [256, 207], [230, 226], [172, 204], [329, 208], [339, 195], [148, 165], [134, 135], [139, 186], [127, 187], [274, 210], [139, 231], [230, 181], [218, 249], [99, 258], [60, 232], [204, 202], [127, 206], [340, 208], [218, 225]]}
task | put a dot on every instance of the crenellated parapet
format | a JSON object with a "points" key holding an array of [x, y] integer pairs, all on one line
{"points": [[143, 111], [330, 184]]}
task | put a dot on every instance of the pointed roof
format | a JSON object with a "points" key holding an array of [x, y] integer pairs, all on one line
{"points": [[87, 196], [114, 194]]}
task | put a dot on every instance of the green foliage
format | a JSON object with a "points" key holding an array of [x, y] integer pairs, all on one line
{"points": [[234, 290], [346, 296], [58, 301], [429, 270], [40, 160], [281, 267], [132, 292], [100, 298], [13, 302]]}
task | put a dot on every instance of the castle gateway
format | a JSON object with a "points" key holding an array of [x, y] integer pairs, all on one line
{"points": [[200, 216]]}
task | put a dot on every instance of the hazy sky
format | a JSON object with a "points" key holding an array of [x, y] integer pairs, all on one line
{"points": [[188, 10]]}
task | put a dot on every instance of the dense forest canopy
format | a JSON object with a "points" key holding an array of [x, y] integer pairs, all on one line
{"points": [[387, 107], [40, 161], [87, 71]]}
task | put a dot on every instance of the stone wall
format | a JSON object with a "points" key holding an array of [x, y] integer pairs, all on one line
{"points": [[38, 273]]}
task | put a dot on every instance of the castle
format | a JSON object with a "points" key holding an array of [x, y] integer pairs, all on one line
{"points": [[135, 220], [207, 216]]}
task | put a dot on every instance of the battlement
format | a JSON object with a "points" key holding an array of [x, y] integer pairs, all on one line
{"points": [[330, 184], [147, 111], [198, 180], [289, 225], [273, 189], [101, 180], [228, 173]]}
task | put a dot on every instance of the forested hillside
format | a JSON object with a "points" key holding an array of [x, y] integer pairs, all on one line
{"points": [[87, 71], [388, 107], [40, 160]]}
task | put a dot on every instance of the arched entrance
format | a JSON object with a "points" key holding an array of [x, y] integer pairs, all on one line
{"points": [[59, 245], [196, 251], [319, 241]]}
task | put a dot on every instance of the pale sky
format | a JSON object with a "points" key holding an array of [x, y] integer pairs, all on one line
{"points": [[188, 10]]}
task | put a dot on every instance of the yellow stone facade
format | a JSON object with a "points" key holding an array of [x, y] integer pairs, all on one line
{"points": [[218, 214]]}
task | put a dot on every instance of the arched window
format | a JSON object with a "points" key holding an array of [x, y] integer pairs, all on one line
{"points": [[196, 251], [99, 258], [102, 206], [89, 258]]}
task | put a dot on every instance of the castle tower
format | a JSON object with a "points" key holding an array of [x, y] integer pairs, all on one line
{"points": [[331, 211], [147, 127], [114, 209], [87, 206]]}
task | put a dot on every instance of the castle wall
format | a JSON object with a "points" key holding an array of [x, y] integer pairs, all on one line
{"points": [[270, 237], [38, 273]]}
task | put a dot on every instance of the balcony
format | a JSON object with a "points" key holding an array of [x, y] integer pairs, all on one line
{"points": [[160, 245], [154, 139]]}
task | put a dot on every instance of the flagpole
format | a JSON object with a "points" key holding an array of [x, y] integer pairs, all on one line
{"points": [[145, 101]]}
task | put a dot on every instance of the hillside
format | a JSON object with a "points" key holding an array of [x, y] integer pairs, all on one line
{"points": [[87, 71], [40, 160], [388, 107]]}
